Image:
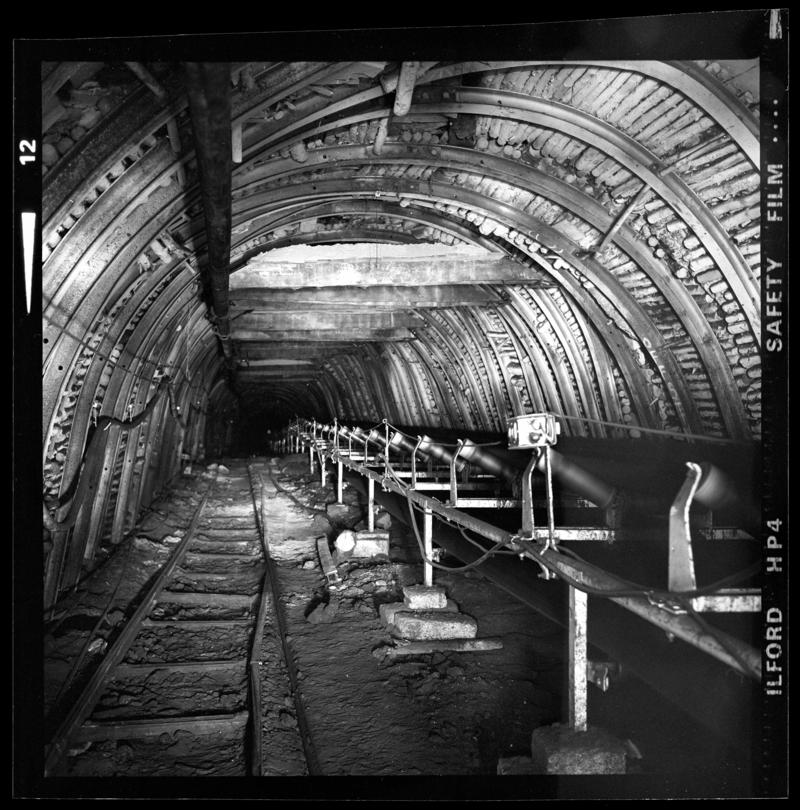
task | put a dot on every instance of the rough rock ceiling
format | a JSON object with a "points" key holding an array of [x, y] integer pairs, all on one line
{"points": [[623, 198]]}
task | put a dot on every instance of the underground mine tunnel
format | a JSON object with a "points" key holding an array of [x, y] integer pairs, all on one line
{"points": [[401, 418]]}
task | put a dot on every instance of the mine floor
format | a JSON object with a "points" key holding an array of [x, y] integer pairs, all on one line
{"points": [[442, 713]]}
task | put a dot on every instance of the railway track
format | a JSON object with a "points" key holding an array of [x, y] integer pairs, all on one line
{"points": [[198, 681]]}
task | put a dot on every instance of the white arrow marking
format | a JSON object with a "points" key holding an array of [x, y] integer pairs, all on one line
{"points": [[28, 233]]}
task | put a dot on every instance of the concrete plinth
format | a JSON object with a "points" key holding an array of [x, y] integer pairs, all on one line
{"points": [[388, 610], [370, 544], [515, 766], [424, 597], [338, 511], [558, 749], [434, 624]]}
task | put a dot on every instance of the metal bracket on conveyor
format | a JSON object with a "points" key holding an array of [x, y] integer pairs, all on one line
{"points": [[539, 432], [681, 573], [328, 566], [601, 673], [414, 463], [681, 558]]}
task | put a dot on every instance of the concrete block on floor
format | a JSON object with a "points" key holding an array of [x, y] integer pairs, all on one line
{"points": [[424, 597], [320, 523], [388, 610], [425, 625], [370, 544], [341, 514], [558, 749], [383, 520], [515, 766], [462, 645]]}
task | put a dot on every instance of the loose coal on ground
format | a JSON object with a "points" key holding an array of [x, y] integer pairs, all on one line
{"points": [[367, 713]]}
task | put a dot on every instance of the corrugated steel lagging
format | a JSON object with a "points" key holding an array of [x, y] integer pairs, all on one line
{"points": [[626, 193]]}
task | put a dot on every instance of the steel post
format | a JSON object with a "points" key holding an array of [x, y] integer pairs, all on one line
{"points": [[427, 534], [371, 504], [528, 523], [549, 480], [578, 661]]}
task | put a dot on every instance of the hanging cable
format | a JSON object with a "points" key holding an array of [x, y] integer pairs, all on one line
{"points": [[473, 564], [86, 469], [64, 330], [130, 355], [658, 431]]}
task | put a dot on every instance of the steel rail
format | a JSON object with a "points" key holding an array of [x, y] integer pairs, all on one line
{"points": [[254, 662], [372, 373], [271, 579], [701, 89], [618, 350], [132, 360], [376, 362], [591, 211], [58, 557], [91, 693], [120, 518]]}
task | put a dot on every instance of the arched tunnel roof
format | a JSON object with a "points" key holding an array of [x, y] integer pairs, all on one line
{"points": [[625, 195], [438, 243]]}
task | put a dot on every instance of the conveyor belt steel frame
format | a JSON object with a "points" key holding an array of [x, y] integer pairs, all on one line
{"points": [[681, 626]]}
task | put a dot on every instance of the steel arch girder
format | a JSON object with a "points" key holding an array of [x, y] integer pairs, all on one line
{"points": [[617, 145], [436, 384], [479, 395], [632, 156], [714, 359]]}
